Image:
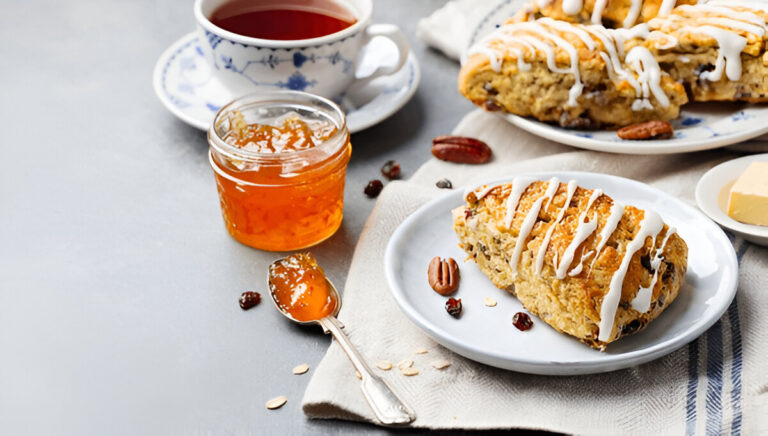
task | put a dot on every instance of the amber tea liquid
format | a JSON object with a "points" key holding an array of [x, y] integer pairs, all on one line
{"points": [[287, 20]]}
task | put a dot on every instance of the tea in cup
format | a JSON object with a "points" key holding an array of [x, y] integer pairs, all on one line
{"points": [[303, 45]]}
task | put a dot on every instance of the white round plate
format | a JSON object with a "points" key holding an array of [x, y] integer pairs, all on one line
{"points": [[183, 81], [712, 197], [486, 334], [701, 126]]}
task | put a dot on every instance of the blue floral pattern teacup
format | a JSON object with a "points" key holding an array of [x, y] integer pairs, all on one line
{"points": [[324, 66]]}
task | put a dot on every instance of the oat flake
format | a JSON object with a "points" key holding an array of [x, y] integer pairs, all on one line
{"points": [[441, 364], [276, 403]]}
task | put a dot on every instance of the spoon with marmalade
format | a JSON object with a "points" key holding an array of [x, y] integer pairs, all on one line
{"points": [[302, 292]]}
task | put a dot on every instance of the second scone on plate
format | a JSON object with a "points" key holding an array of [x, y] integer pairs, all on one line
{"points": [[582, 262], [587, 76], [574, 75]]}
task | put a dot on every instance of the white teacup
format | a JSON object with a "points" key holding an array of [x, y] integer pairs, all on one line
{"points": [[324, 66]]}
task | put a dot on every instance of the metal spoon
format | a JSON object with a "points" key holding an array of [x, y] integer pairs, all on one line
{"points": [[385, 404]]}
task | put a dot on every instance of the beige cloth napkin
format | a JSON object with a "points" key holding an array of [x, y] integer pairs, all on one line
{"points": [[717, 384]]}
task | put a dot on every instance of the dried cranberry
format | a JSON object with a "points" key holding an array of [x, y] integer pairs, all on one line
{"points": [[391, 170], [453, 306], [249, 299], [468, 213], [373, 188], [444, 184], [522, 321]]}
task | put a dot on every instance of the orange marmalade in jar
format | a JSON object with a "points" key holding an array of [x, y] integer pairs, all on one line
{"points": [[280, 160]]}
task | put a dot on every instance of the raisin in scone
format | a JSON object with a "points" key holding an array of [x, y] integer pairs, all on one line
{"points": [[610, 13], [719, 52], [579, 260], [574, 75]]}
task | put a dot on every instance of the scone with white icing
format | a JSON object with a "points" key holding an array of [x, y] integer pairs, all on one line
{"points": [[609, 13], [582, 262], [719, 52], [574, 75]]}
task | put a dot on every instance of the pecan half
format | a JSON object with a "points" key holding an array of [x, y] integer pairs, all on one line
{"points": [[461, 149], [649, 130], [443, 275]]}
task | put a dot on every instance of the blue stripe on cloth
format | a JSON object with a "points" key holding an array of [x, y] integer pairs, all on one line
{"points": [[693, 381], [714, 397], [736, 364]]}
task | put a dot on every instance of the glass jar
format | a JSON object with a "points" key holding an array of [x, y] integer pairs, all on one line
{"points": [[287, 200]]}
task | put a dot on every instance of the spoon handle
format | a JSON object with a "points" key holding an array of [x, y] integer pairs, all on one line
{"points": [[386, 405]]}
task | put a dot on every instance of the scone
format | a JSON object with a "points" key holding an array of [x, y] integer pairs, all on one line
{"points": [[574, 75], [580, 261], [720, 51], [610, 13]]}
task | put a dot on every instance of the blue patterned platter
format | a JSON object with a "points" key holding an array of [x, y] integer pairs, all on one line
{"points": [[701, 126], [184, 84]]}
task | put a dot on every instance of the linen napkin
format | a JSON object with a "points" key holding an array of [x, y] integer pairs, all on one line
{"points": [[715, 385]]}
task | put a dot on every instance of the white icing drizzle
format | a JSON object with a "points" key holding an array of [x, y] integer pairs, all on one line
{"points": [[576, 271], [617, 212], [529, 222], [649, 75], [519, 185], [650, 226], [672, 42], [722, 22], [570, 28], [642, 301], [757, 5], [572, 7], [545, 36], [481, 191], [728, 56], [597, 11], [614, 44], [548, 236], [742, 20], [583, 230], [539, 29], [633, 13], [580, 265], [666, 7]]}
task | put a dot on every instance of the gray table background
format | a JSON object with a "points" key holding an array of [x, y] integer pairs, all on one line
{"points": [[118, 280]]}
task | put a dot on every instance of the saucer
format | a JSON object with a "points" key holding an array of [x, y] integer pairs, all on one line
{"points": [[185, 85], [712, 197]]}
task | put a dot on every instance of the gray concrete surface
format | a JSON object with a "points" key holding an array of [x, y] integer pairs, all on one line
{"points": [[118, 281]]}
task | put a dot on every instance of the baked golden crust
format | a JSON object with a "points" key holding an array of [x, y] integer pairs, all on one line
{"points": [[697, 55], [710, 52], [509, 73], [572, 304], [612, 13], [544, 95]]}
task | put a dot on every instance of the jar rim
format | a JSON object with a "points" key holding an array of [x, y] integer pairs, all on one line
{"points": [[289, 98]]}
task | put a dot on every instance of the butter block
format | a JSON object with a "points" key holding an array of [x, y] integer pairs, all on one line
{"points": [[748, 200]]}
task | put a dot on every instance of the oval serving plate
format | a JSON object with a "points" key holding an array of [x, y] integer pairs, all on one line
{"points": [[486, 334]]}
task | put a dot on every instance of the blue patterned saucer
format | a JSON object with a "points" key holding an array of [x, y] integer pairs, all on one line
{"points": [[183, 81]]}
